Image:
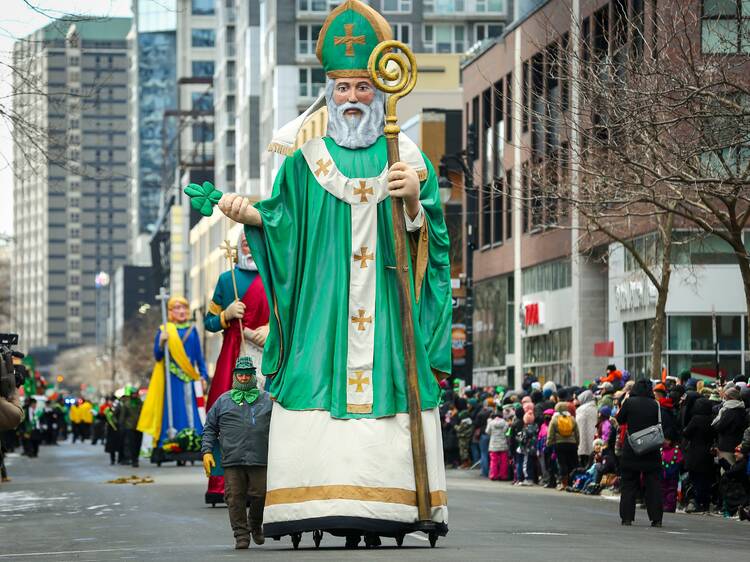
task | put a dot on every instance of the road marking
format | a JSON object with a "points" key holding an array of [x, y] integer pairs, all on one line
{"points": [[542, 533], [61, 552], [418, 537]]}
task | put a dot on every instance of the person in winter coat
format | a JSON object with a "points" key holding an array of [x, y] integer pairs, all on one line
{"points": [[480, 424], [614, 376], [730, 424], [669, 418], [640, 411], [671, 463], [464, 432], [497, 429], [240, 422], [607, 397], [564, 436], [735, 491], [699, 461], [545, 453], [526, 450], [586, 417]]}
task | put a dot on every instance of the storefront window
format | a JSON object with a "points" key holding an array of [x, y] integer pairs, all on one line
{"points": [[548, 355], [705, 364], [493, 321], [695, 333]]}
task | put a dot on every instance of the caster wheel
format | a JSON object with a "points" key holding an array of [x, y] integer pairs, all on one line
{"points": [[296, 538], [433, 539], [400, 540], [317, 537], [158, 464], [213, 505], [372, 541]]}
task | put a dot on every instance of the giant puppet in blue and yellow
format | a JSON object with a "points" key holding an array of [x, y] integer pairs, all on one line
{"points": [[178, 402], [340, 450]]}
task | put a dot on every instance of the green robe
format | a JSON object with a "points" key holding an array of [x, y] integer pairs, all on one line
{"points": [[303, 253]]}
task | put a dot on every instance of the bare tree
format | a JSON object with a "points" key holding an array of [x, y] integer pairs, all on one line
{"points": [[137, 351], [653, 122]]}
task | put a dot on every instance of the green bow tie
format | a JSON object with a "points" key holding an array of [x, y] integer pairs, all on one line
{"points": [[248, 396]]}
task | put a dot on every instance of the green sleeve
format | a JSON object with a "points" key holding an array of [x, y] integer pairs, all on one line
{"points": [[275, 249], [212, 322], [435, 306]]}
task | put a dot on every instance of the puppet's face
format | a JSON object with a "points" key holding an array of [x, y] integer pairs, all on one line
{"points": [[179, 313], [355, 91], [244, 248]]}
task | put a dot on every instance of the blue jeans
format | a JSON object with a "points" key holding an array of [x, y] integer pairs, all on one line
{"points": [[474, 452], [484, 451]]}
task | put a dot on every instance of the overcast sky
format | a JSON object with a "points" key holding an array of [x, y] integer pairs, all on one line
{"points": [[19, 18]]}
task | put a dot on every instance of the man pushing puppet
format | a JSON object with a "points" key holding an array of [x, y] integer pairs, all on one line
{"points": [[340, 453]]}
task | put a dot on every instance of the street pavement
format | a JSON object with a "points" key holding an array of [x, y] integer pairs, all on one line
{"points": [[60, 507]]}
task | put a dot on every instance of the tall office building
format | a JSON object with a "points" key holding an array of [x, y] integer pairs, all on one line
{"points": [[291, 76], [153, 92], [70, 177]]}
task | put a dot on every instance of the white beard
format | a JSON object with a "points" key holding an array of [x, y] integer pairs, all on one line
{"points": [[355, 132], [245, 262]]}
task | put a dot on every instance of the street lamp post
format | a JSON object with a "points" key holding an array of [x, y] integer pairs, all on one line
{"points": [[464, 160]]}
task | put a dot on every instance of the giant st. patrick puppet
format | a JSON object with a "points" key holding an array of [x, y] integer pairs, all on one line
{"points": [[340, 454], [175, 403]]}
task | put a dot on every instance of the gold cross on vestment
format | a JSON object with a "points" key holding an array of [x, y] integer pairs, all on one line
{"points": [[322, 167], [349, 40], [361, 320], [363, 256], [359, 381], [363, 191], [230, 251]]}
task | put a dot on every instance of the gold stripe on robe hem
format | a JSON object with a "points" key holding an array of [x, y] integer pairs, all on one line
{"points": [[356, 493]]}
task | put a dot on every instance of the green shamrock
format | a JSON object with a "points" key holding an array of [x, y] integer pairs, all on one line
{"points": [[203, 197]]}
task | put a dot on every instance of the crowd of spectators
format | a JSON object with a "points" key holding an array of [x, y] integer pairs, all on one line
{"points": [[575, 439]]}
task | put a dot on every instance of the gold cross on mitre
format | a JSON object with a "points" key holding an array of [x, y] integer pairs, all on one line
{"points": [[322, 167], [361, 320], [363, 256], [363, 191], [360, 381], [349, 40], [230, 251]]}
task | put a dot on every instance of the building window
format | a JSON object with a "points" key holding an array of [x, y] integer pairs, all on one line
{"points": [[508, 204], [549, 276], [402, 32], [202, 101], [484, 31], [311, 81], [203, 37], [497, 211], [691, 344], [548, 356], [307, 39], [444, 38], [638, 347], [647, 247], [203, 7], [203, 132], [319, 6], [397, 6], [203, 68], [490, 6], [726, 26], [691, 248], [494, 321]]}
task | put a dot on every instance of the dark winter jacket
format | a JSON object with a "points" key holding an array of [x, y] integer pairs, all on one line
{"points": [[241, 431], [729, 425], [700, 437], [638, 412]]}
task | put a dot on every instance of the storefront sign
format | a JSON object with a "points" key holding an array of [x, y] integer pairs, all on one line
{"points": [[632, 295], [458, 344], [531, 314]]}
